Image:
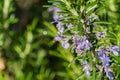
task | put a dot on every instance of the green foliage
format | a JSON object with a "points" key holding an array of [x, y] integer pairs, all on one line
{"points": [[78, 13], [32, 53]]}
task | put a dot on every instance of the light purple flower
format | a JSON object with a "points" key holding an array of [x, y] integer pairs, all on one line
{"points": [[91, 18], [56, 17], [59, 37], [108, 72], [105, 60], [81, 43], [63, 39], [114, 49], [55, 11], [87, 72], [86, 44], [86, 68], [76, 39], [80, 46], [60, 27], [101, 54], [65, 45]]}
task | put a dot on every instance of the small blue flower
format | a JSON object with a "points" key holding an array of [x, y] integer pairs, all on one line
{"points": [[91, 18], [86, 44], [114, 49], [104, 57], [86, 68], [63, 39], [106, 61], [87, 72], [81, 43], [80, 46], [55, 11], [101, 53], [58, 37], [76, 39], [108, 72], [60, 27], [110, 76], [56, 17], [65, 45]]}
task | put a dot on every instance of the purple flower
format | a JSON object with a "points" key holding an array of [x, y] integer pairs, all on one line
{"points": [[114, 49], [60, 27], [91, 18], [65, 45], [86, 44], [87, 72], [107, 68], [63, 39], [86, 68], [105, 60], [55, 11], [108, 72], [110, 76], [101, 54], [81, 44], [104, 57], [76, 39], [59, 37], [56, 17]]}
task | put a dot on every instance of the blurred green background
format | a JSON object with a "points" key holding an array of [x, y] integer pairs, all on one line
{"points": [[27, 47]]}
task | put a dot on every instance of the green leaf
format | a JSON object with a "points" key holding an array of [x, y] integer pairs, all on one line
{"points": [[103, 22], [51, 1], [90, 8]]}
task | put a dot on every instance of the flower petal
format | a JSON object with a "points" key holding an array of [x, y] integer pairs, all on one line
{"points": [[115, 52]]}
